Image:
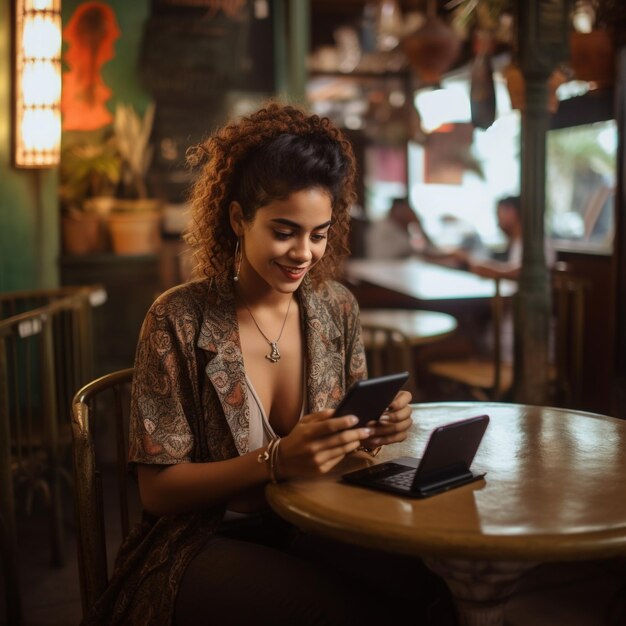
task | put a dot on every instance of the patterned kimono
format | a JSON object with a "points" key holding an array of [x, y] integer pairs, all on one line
{"points": [[189, 404]]}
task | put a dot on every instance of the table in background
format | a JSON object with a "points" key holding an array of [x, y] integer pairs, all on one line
{"points": [[421, 327], [555, 490], [425, 281], [417, 283]]}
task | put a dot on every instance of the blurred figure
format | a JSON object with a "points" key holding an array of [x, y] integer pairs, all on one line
{"points": [[496, 264], [457, 242], [393, 237], [477, 335], [509, 216], [510, 222]]}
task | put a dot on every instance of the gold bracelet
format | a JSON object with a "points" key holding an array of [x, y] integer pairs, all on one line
{"points": [[371, 451], [274, 461], [269, 456]]}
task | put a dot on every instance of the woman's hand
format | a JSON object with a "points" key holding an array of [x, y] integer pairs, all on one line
{"points": [[317, 443], [394, 424]]}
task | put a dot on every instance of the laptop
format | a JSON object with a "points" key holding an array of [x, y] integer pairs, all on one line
{"points": [[445, 464]]}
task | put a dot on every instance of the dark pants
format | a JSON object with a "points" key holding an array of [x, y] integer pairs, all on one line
{"points": [[264, 571]]}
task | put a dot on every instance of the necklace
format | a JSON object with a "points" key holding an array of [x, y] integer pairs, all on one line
{"points": [[274, 355]]}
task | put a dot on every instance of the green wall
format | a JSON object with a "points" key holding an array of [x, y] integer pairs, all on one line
{"points": [[29, 211], [29, 235]]}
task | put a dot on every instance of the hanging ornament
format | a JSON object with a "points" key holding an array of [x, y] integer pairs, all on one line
{"points": [[432, 49], [482, 90], [388, 25], [592, 56]]}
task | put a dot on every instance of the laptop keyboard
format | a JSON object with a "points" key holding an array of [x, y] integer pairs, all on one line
{"points": [[403, 479], [392, 474]]}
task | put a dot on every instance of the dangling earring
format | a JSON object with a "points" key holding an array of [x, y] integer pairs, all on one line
{"points": [[237, 261]]}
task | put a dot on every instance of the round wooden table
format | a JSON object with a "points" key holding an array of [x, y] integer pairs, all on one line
{"points": [[421, 327], [555, 490]]}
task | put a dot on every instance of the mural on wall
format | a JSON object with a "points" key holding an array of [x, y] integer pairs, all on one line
{"points": [[89, 35]]}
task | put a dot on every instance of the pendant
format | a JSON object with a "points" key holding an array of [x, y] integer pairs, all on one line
{"points": [[274, 355]]}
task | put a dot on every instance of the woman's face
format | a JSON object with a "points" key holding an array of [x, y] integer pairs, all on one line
{"points": [[284, 241]]}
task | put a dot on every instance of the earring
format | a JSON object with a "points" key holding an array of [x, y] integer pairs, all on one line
{"points": [[237, 261]]}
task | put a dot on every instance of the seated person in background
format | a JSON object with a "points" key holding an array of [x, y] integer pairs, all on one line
{"points": [[510, 222], [479, 335], [456, 243], [390, 237], [498, 266]]}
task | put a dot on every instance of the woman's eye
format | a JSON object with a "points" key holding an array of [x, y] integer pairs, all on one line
{"points": [[281, 236], [318, 237]]}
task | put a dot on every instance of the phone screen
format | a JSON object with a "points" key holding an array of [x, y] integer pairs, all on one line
{"points": [[368, 399]]}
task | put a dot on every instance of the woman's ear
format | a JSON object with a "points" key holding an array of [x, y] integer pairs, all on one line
{"points": [[235, 213]]}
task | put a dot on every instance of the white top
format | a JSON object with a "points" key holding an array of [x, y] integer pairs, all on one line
{"points": [[515, 252], [260, 434], [261, 430]]}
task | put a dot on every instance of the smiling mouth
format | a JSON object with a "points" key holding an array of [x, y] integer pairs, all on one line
{"points": [[293, 271]]}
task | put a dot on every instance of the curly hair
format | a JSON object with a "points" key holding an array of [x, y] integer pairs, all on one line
{"points": [[267, 156]]}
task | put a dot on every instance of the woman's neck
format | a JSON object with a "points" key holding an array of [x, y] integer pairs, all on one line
{"points": [[256, 291]]}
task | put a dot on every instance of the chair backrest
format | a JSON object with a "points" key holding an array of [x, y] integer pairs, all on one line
{"points": [[497, 306], [568, 313], [45, 353], [102, 486], [388, 351], [70, 311]]}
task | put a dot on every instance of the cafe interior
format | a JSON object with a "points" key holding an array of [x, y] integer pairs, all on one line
{"points": [[449, 105]]}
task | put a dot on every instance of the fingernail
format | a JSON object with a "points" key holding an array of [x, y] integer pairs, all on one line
{"points": [[368, 431], [353, 420], [376, 441]]}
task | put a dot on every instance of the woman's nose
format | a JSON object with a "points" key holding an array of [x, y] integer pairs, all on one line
{"points": [[301, 250]]}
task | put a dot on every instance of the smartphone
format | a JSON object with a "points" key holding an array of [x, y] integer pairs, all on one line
{"points": [[368, 399]]}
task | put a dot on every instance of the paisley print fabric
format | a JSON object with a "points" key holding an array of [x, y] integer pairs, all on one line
{"points": [[189, 404]]}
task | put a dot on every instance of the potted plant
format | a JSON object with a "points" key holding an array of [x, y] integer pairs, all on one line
{"points": [[135, 221], [89, 175]]}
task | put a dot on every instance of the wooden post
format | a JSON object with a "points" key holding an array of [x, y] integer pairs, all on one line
{"points": [[620, 238], [281, 69], [542, 43], [9, 571], [299, 42]]}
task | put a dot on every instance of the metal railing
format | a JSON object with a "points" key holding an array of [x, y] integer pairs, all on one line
{"points": [[46, 353]]}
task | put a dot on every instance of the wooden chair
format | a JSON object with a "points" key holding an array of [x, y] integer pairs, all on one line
{"points": [[102, 486], [484, 377], [569, 314], [491, 378], [388, 351], [45, 346]]}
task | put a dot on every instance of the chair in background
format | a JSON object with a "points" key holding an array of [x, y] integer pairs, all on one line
{"points": [[388, 351], [568, 306], [102, 487], [486, 377], [45, 348], [491, 378]]}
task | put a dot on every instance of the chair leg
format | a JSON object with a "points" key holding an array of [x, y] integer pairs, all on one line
{"points": [[55, 513], [10, 571]]}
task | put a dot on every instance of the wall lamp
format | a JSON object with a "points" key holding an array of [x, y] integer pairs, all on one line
{"points": [[37, 83]]}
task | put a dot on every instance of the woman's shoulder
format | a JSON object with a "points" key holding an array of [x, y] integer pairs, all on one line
{"points": [[185, 298], [335, 299], [335, 292]]}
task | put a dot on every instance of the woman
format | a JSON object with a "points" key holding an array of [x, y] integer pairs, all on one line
{"points": [[236, 377]]}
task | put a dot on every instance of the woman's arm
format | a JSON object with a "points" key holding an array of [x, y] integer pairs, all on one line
{"points": [[314, 446], [495, 269]]}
